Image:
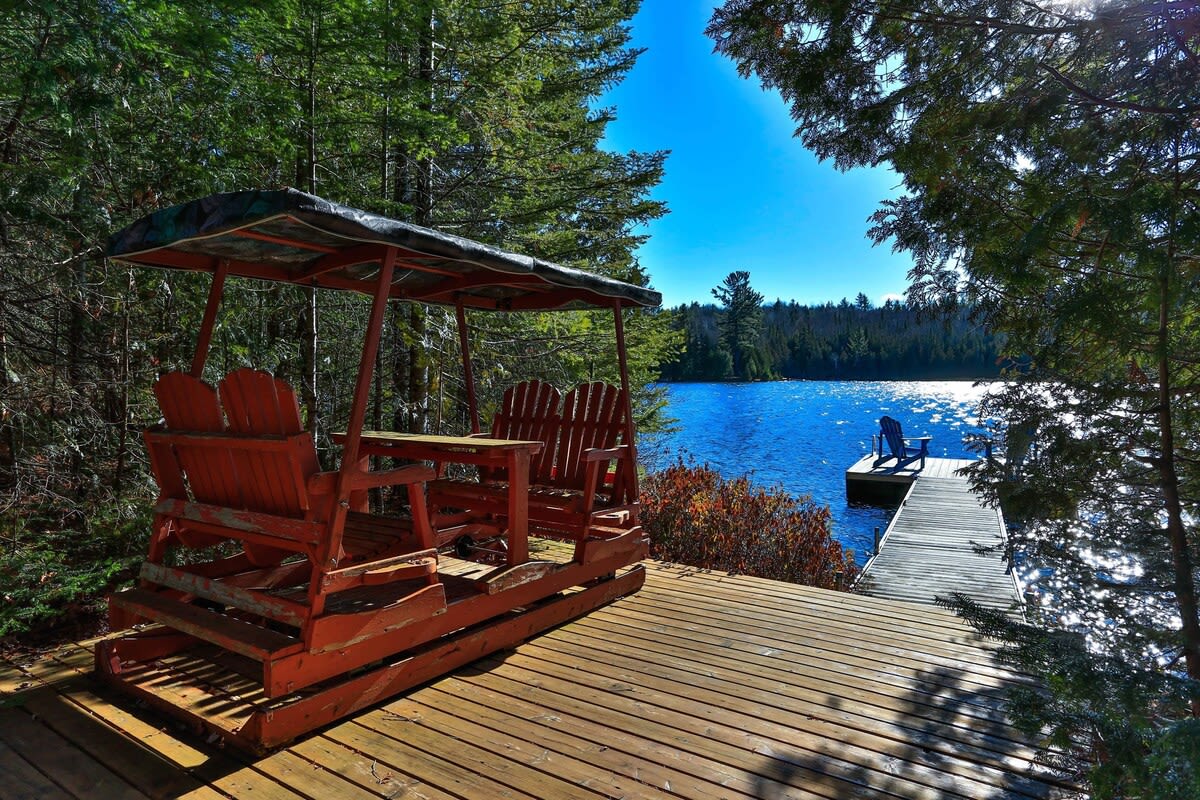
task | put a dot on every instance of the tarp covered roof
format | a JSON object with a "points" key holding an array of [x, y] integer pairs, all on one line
{"points": [[291, 236]]}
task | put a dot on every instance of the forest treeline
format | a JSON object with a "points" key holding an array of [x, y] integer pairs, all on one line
{"points": [[842, 341]]}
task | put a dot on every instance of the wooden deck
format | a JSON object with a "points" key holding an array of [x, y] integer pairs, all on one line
{"points": [[941, 540], [703, 685]]}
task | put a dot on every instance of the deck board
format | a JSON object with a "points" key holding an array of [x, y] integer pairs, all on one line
{"points": [[22, 781], [702, 685]]}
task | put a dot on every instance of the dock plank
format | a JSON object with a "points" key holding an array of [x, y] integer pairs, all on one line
{"points": [[150, 773], [364, 771], [77, 772], [23, 782], [806, 720], [942, 540]]}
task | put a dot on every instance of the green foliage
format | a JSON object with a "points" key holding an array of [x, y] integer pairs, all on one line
{"points": [[694, 516], [1132, 726], [1173, 764], [1049, 158], [56, 567], [475, 119]]}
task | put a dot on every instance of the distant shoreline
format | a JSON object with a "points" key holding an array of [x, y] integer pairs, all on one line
{"points": [[957, 379]]}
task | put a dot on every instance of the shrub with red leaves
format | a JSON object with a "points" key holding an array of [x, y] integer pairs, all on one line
{"points": [[696, 517]]}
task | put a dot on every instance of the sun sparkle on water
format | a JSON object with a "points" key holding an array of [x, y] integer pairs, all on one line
{"points": [[802, 435]]}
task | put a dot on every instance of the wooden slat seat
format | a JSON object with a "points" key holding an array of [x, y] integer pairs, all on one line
{"points": [[368, 536]]}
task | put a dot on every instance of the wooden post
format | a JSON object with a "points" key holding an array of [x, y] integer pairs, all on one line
{"points": [[328, 554], [366, 365], [877, 541], [623, 365], [460, 316], [210, 317]]}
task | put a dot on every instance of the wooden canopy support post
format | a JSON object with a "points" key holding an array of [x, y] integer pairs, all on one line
{"points": [[366, 366], [210, 317], [460, 315], [623, 365], [329, 554]]}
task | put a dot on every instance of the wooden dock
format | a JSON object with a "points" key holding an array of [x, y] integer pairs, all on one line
{"points": [[871, 484], [702, 685], [941, 540]]}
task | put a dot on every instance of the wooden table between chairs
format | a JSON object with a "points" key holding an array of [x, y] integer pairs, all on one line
{"points": [[511, 454]]}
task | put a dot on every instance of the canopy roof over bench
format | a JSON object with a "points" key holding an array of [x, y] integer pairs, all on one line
{"points": [[287, 235]]}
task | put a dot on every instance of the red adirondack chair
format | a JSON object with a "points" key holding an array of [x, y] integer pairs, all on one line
{"points": [[237, 466], [572, 492], [529, 411], [582, 494], [462, 510]]}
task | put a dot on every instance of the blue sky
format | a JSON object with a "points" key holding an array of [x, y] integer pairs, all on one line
{"points": [[743, 192]]}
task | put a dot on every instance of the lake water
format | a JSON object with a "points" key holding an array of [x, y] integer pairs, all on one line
{"points": [[802, 435]]}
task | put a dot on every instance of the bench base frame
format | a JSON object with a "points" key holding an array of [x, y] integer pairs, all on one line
{"points": [[210, 689]]}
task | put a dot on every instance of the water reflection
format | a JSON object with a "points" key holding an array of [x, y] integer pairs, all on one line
{"points": [[803, 435]]}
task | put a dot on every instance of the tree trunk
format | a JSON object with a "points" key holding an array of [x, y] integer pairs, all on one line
{"points": [[399, 370], [1185, 582], [76, 349], [418, 364], [308, 318], [8, 440], [123, 403]]}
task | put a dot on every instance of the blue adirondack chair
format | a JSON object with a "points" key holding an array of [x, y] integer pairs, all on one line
{"points": [[902, 451]]}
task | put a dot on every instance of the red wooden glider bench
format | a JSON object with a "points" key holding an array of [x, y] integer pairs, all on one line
{"points": [[252, 558], [281, 604]]}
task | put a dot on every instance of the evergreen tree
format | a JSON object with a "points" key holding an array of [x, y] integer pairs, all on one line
{"points": [[1049, 155], [740, 321]]}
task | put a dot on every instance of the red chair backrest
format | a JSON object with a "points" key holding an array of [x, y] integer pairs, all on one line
{"points": [[593, 416], [257, 403], [529, 411], [249, 405], [189, 404]]}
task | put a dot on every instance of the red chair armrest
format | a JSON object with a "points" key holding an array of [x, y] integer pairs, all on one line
{"points": [[605, 454], [413, 473], [324, 482]]}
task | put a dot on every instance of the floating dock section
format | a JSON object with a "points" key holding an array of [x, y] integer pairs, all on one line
{"points": [[942, 539]]}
